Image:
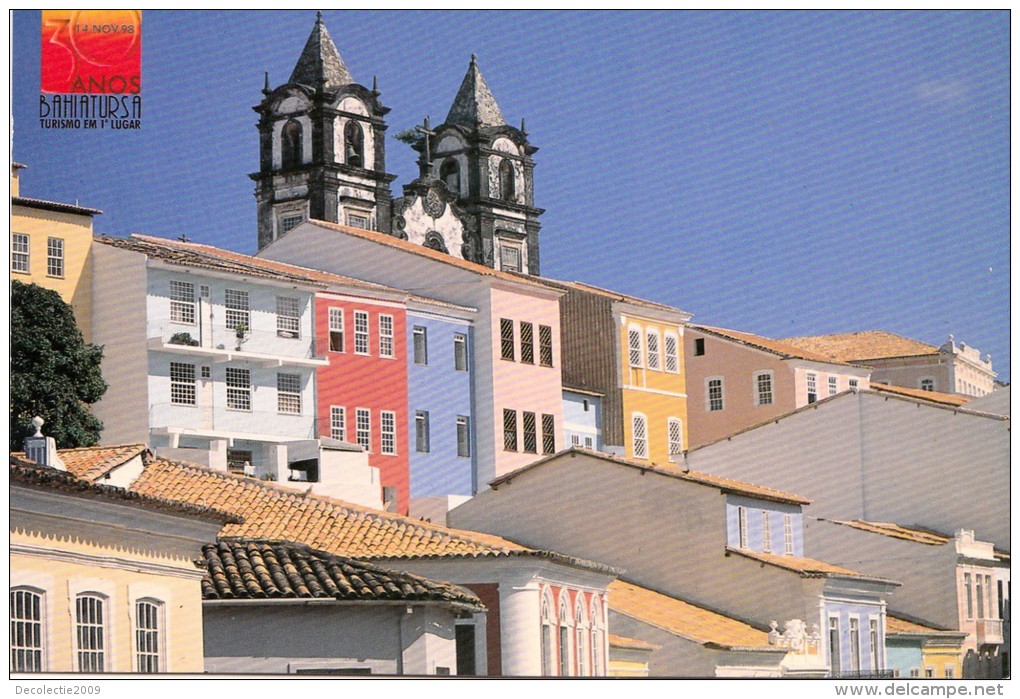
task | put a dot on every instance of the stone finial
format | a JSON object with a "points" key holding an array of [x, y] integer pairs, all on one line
{"points": [[318, 17], [474, 59], [265, 85], [524, 128], [37, 423], [375, 87]]}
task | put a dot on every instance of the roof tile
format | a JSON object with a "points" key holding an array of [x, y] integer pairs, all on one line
{"points": [[862, 346], [782, 348]]}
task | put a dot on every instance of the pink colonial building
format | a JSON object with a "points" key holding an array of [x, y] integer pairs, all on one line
{"points": [[737, 379], [517, 389]]}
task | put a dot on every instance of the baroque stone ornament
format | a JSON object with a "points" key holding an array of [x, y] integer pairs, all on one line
{"points": [[433, 203]]}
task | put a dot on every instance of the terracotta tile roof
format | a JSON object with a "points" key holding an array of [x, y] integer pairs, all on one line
{"points": [[807, 567], [245, 569], [781, 348], [933, 396], [631, 643], [684, 619], [614, 295], [421, 250], [728, 485], [209, 257], [896, 531], [274, 512], [896, 625], [91, 463], [29, 473], [861, 346], [54, 206]]}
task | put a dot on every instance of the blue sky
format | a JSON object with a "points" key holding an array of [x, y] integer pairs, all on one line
{"points": [[784, 173]]}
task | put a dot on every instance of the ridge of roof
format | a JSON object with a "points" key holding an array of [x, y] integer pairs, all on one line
{"points": [[723, 483], [685, 619], [616, 641], [320, 61], [210, 257], [767, 344], [54, 206], [862, 345], [93, 462], [807, 567], [422, 251], [474, 104], [609, 293], [931, 396], [274, 512], [896, 531], [897, 624], [265, 569]]}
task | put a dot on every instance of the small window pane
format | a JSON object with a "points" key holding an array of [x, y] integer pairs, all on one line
{"points": [[715, 395], [238, 389], [386, 336], [360, 332], [363, 426], [182, 383], [338, 423], [237, 309], [288, 317], [388, 423], [182, 302], [288, 393], [20, 252], [55, 257]]}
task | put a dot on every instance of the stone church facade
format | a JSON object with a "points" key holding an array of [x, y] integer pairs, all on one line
{"points": [[322, 155]]}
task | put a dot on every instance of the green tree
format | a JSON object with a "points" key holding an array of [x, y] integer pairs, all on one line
{"points": [[54, 373]]}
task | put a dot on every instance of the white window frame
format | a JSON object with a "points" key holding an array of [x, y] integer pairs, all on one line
{"points": [[362, 346], [927, 379], [358, 218], [639, 435], [463, 436], [21, 253], [35, 627], [635, 349], [581, 636], [833, 385], [513, 266], [836, 666], [547, 642], [55, 257], [288, 393], [764, 397], [237, 308], [182, 302], [388, 432], [598, 637], [564, 633], [742, 538], [766, 532], [852, 383], [363, 428], [153, 659], [875, 644], [653, 349], [854, 638], [709, 401], [420, 341], [336, 327], [788, 534], [338, 422], [422, 438], [671, 360], [675, 437], [288, 317], [460, 358], [386, 336], [104, 652], [238, 394], [182, 383], [812, 387]]}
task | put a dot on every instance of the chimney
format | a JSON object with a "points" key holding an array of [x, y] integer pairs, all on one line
{"points": [[42, 449]]}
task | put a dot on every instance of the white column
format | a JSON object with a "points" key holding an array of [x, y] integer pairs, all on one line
{"points": [[521, 629]]}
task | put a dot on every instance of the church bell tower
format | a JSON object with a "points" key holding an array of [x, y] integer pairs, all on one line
{"points": [[487, 165], [322, 147]]}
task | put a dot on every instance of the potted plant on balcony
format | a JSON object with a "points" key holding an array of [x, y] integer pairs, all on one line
{"points": [[242, 333], [183, 339]]}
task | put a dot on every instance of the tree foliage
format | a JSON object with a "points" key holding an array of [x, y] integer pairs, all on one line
{"points": [[54, 373]]}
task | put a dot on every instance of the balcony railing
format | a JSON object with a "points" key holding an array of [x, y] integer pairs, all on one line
{"points": [[200, 420], [214, 339], [989, 631], [863, 675]]}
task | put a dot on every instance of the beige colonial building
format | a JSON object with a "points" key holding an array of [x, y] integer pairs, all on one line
{"points": [[102, 579], [953, 367]]}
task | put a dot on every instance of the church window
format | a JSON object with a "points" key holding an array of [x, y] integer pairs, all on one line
{"points": [[26, 631], [449, 173], [90, 634], [357, 219], [507, 185], [290, 144], [354, 144], [289, 222]]}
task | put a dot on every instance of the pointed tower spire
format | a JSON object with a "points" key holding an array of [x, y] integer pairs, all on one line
{"points": [[474, 104], [320, 62]]}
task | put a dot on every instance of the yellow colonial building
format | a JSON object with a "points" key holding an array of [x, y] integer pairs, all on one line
{"points": [[51, 246], [629, 351], [102, 579]]}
